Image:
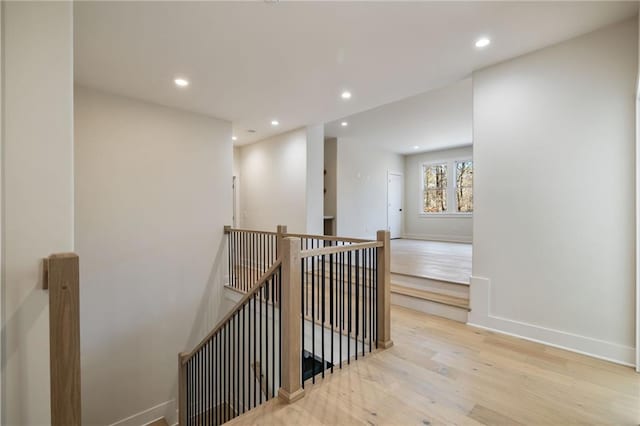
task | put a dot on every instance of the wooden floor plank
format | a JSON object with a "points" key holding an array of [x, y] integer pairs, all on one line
{"points": [[443, 372], [432, 259]]}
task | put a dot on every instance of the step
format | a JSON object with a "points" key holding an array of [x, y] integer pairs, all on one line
{"points": [[429, 302], [436, 285], [444, 299]]}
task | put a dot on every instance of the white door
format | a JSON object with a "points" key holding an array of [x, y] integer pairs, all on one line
{"points": [[394, 197]]}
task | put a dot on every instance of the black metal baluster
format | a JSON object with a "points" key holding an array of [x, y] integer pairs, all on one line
{"points": [[341, 304], [260, 345], [370, 285], [305, 281], [331, 312], [323, 308], [216, 384], [229, 371], [199, 398], [357, 260], [302, 308], [236, 344], [280, 326], [207, 383], [349, 281], [313, 317], [266, 340], [189, 397], [362, 300], [375, 299], [241, 256], [244, 359], [255, 333], [273, 336]]}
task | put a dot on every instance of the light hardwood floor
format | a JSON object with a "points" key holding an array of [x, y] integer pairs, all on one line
{"points": [[432, 259], [443, 372]]}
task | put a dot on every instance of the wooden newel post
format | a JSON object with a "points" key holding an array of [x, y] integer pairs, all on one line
{"points": [[62, 279], [182, 389], [280, 232], [384, 290], [291, 386]]}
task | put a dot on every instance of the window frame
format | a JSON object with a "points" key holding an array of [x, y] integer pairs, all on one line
{"points": [[452, 201]]}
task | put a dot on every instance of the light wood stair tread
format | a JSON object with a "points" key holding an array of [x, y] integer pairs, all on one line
{"points": [[445, 299]]}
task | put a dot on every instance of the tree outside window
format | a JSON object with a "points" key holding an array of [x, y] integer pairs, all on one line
{"points": [[435, 188], [464, 186]]}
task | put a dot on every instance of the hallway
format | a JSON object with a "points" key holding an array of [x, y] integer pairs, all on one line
{"points": [[443, 372]]}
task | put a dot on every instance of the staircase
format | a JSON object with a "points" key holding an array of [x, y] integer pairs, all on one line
{"points": [[303, 306], [448, 299]]}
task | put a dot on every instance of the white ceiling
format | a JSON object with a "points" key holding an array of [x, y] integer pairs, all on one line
{"points": [[251, 62], [438, 119]]}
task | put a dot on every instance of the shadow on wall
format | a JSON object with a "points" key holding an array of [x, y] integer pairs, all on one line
{"points": [[207, 316], [24, 318]]}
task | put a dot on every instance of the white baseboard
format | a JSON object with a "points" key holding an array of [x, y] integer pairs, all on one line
{"points": [[166, 409], [481, 317], [442, 238]]}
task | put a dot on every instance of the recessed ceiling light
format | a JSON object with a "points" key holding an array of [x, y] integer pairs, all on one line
{"points": [[346, 95], [483, 42], [416, 147], [181, 82], [234, 138], [275, 122], [344, 124]]}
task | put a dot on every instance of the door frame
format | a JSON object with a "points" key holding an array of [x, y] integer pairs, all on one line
{"points": [[389, 174]]}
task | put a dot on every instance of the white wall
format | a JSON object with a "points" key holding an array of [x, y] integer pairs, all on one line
{"points": [[315, 179], [236, 173], [362, 187], [273, 182], [281, 181], [153, 192], [554, 194], [37, 163], [448, 227]]}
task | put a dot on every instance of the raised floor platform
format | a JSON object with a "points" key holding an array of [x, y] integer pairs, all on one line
{"points": [[432, 259], [431, 277]]}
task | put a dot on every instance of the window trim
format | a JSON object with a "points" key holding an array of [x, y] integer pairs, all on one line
{"points": [[451, 189]]}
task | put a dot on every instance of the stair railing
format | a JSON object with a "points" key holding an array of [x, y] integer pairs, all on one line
{"points": [[311, 306]]}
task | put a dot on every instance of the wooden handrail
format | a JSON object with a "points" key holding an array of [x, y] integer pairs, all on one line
{"points": [[340, 249], [236, 308], [228, 229], [62, 279], [328, 238]]}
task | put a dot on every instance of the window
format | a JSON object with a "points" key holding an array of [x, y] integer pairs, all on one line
{"points": [[464, 186], [435, 188], [447, 187]]}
